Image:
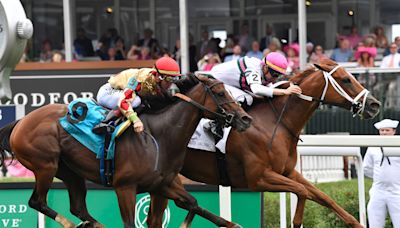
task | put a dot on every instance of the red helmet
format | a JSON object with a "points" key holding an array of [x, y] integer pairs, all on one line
{"points": [[167, 66]]}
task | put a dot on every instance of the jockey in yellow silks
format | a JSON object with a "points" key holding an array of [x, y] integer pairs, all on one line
{"points": [[125, 88]]}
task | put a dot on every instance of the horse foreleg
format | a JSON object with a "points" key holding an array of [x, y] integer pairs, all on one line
{"points": [[44, 177], [127, 202], [184, 200], [158, 204], [299, 214], [321, 198], [77, 196], [271, 181]]}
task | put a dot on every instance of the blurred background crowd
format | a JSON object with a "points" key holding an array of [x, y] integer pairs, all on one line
{"points": [[364, 50]]}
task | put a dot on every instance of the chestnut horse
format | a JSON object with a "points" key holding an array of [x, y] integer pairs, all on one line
{"points": [[254, 163], [43, 146]]}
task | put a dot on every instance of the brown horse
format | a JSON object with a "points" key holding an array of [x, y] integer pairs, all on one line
{"points": [[41, 144], [254, 163]]}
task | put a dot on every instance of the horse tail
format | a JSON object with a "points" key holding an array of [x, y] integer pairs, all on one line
{"points": [[5, 133]]}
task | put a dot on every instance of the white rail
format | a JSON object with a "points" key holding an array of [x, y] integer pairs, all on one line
{"points": [[330, 143]]}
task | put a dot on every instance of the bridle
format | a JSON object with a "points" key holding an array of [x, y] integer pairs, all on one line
{"points": [[221, 115], [357, 107]]}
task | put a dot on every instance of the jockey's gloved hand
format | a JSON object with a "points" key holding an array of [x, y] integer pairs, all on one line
{"points": [[137, 123], [293, 89]]}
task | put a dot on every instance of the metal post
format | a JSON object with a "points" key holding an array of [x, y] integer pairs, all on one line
{"points": [[117, 15], [293, 197], [184, 34], [372, 13], [361, 190], [225, 209], [67, 30], [282, 208], [152, 8], [302, 33]]}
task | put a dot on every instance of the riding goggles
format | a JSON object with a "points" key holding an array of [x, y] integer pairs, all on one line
{"points": [[273, 72]]}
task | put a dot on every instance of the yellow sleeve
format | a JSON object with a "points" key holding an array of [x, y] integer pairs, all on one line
{"points": [[120, 80]]}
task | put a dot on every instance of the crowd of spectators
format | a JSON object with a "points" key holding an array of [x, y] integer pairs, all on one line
{"points": [[204, 53]]}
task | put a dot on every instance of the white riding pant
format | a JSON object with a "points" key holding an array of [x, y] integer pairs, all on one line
{"points": [[109, 97], [239, 95], [379, 204]]}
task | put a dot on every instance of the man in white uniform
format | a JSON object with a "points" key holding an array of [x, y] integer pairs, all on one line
{"points": [[385, 172]]}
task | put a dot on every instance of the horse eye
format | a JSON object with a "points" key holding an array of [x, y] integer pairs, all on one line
{"points": [[346, 80], [221, 94]]}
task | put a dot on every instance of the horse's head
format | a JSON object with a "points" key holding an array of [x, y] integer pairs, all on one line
{"points": [[223, 107], [340, 88]]}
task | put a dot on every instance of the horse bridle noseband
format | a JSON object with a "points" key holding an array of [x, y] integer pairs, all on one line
{"points": [[357, 107], [221, 114]]}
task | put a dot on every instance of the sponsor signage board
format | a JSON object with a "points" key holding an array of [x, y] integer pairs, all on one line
{"points": [[36, 91], [103, 206], [15, 211]]}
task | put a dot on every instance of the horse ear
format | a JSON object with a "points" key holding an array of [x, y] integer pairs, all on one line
{"points": [[319, 67], [201, 77]]}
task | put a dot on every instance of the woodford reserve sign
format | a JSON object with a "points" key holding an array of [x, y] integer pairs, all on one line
{"points": [[14, 209], [36, 91]]}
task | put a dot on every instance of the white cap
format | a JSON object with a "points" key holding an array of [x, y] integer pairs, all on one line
{"points": [[386, 123]]}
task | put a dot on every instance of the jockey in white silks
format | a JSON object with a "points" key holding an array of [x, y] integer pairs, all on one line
{"points": [[255, 76]]}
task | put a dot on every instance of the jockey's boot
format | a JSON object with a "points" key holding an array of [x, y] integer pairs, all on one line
{"points": [[105, 126], [215, 128]]}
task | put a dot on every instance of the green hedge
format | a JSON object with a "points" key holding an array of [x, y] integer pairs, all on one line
{"points": [[345, 193]]}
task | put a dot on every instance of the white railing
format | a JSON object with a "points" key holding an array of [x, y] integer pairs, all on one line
{"points": [[321, 169], [343, 144], [331, 141]]}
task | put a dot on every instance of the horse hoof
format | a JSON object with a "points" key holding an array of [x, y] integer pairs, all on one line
{"points": [[88, 224], [85, 224], [236, 226], [98, 225]]}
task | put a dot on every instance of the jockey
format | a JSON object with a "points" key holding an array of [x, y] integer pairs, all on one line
{"points": [[254, 75], [125, 89]]}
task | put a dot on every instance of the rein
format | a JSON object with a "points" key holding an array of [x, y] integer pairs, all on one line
{"points": [[281, 122], [227, 117]]}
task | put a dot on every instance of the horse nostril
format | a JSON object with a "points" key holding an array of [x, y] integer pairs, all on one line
{"points": [[247, 120], [375, 105]]}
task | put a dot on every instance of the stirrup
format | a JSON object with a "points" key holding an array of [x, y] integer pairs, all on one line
{"points": [[103, 128], [215, 128]]}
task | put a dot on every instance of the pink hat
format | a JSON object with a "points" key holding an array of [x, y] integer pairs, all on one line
{"points": [[294, 46], [276, 61], [369, 50]]}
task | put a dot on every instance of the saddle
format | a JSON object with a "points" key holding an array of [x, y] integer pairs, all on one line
{"points": [[107, 127]]}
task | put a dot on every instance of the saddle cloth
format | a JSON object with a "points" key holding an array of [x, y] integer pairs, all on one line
{"points": [[203, 139], [83, 114]]}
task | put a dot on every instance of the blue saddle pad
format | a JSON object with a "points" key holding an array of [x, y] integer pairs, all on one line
{"points": [[83, 114]]}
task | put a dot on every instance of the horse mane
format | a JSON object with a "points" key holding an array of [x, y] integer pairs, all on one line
{"points": [[299, 77], [159, 103], [186, 84]]}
